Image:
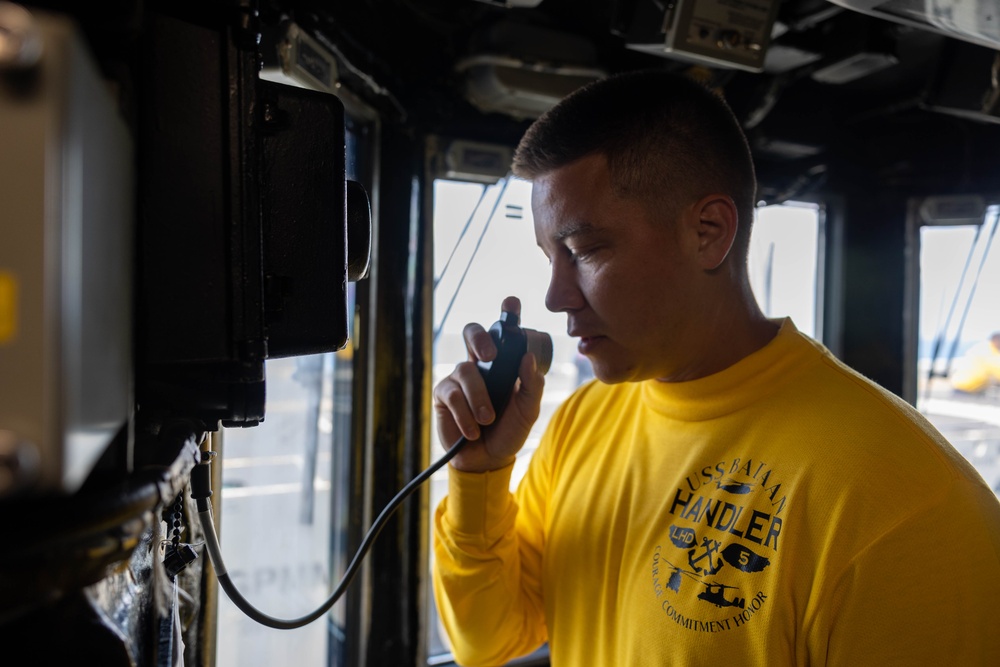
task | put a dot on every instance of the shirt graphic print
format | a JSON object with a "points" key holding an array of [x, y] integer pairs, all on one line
{"points": [[724, 530]]}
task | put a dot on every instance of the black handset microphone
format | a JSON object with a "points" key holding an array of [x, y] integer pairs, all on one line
{"points": [[512, 344], [500, 375]]}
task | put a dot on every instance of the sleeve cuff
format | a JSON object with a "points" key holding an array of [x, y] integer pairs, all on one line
{"points": [[480, 503]]}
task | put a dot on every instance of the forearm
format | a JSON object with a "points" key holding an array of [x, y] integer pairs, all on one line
{"points": [[485, 577]]}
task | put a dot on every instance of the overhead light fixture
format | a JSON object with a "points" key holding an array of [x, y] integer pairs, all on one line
{"points": [[854, 67], [477, 161], [302, 61]]}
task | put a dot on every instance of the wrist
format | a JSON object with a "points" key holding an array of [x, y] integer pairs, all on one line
{"points": [[478, 467], [480, 503]]}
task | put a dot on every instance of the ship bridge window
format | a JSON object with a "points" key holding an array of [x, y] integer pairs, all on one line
{"points": [[958, 349]]}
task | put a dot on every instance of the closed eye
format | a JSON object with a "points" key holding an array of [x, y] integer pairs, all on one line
{"points": [[579, 243], [585, 254]]}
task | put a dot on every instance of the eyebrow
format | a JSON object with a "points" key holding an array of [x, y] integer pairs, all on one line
{"points": [[574, 229]]}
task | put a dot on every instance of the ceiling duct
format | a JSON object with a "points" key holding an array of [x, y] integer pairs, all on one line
{"points": [[523, 70]]}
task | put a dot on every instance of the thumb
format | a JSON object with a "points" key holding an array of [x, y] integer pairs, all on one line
{"points": [[528, 395]]}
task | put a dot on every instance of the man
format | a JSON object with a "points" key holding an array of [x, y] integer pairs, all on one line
{"points": [[979, 368], [728, 493]]}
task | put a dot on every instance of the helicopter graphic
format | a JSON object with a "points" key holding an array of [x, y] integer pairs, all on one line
{"points": [[714, 592], [733, 486]]}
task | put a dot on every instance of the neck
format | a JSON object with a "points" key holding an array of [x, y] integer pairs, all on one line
{"points": [[730, 330]]}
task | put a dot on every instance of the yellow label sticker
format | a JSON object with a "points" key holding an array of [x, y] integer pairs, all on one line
{"points": [[8, 307]]}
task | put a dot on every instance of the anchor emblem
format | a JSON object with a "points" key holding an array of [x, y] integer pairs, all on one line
{"points": [[710, 549]]}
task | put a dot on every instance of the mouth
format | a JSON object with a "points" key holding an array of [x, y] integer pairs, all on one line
{"points": [[587, 336], [587, 344]]}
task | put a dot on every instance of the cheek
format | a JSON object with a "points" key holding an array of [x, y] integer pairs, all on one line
{"points": [[619, 297], [643, 302], [597, 285]]}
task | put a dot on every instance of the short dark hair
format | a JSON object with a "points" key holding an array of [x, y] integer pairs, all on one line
{"points": [[667, 138]]}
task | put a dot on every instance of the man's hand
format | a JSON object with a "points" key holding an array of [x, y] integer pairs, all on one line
{"points": [[463, 405]]}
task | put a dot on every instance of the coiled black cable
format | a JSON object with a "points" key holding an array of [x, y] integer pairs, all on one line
{"points": [[201, 489]]}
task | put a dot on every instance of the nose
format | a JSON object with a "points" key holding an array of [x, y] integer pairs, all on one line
{"points": [[564, 292]]}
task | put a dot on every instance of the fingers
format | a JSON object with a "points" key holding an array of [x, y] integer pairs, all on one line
{"points": [[532, 379], [528, 396], [479, 343], [512, 305], [463, 404], [462, 400], [478, 340]]}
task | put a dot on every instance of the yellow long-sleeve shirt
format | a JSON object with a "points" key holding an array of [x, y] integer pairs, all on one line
{"points": [[785, 511]]}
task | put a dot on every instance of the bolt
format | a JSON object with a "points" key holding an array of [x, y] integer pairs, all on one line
{"points": [[18, 461]]}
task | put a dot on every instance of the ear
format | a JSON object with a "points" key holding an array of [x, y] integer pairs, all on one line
{"points": [[718, 222]]}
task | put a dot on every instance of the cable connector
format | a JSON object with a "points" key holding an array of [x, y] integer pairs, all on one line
{"points": [[178, 558], [201, 481]]}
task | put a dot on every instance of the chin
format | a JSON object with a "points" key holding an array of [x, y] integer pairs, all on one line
{"points": [[611, 375]]}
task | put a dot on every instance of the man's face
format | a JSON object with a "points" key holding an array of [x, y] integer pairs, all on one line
{"points": [[628, 282]]}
